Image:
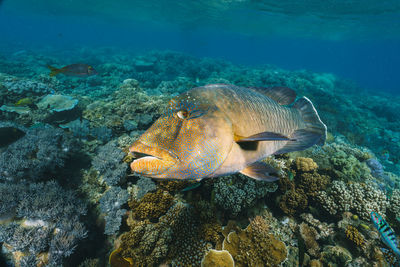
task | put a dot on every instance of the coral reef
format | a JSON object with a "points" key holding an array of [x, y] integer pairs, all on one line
{"points": [[110, 205], [236, 193], [152, 205], [355, 236], [309, 236], [303, 187], [42, 218], [359, 198], [109, 163], [57, 103], [214, 258], [144, 185], [180, 223], [255, 246], [40, 151]]}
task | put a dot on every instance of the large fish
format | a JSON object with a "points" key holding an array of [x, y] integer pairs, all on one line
{"points": [[221, 129]]}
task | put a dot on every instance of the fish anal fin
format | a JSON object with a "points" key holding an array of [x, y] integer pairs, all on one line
{"points": [[260, 171], [280, 94], [264, 136]]}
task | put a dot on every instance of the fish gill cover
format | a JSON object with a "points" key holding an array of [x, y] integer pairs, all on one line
{"points": [[68, 196]]}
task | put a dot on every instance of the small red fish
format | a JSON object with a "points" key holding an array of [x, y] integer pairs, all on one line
{"points": [[78, 69]]}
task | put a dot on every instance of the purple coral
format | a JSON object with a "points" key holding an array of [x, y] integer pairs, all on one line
{"points": [[40, 151], [44, 218]]}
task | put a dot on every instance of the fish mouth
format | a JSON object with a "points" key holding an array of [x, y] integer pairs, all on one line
{"points": [[151, 160]]}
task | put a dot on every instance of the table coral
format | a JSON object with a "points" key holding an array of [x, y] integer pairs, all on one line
{"points": [[57, 103], [255, 246]]}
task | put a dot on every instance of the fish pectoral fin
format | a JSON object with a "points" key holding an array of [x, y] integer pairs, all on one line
{"points": [[264, 136], [260, 171]]}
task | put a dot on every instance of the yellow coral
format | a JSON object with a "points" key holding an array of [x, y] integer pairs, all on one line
{"points": [[305, 164], [254, 246], [217, 258], [355, 236], [152, 205]]}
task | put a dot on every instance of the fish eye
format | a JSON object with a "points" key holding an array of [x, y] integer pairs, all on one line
{"points": [[182, 114]]}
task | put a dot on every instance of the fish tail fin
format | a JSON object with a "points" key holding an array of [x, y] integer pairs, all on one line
{"points": [[314, 132], [53, 71]]}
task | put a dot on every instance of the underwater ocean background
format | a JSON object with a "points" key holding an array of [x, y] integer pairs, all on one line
{"points": [[68, 197]]}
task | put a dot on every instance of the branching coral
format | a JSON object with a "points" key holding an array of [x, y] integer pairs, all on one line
{"points": [[45, 219], [293, 201], [235, 193], [305, 164], [342, 161], [358, 198], [304, 186], [174, 238], [355, 236], [152, 205], [109, 163], [110, 205], [310, 236], [255, 246], [40, 150]]}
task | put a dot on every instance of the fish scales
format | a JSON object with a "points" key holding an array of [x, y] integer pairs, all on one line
{"points": [[220, 129]]}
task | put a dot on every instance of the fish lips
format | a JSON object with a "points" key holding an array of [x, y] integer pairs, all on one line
{"points": [[151, 160]]}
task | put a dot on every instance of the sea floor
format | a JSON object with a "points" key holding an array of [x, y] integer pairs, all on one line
{"points": [[67, 196]]}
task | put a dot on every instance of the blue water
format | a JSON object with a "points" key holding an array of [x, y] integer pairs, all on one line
{"points": [[360, 47]]}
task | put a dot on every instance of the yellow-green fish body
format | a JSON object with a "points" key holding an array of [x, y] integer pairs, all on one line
{"points": [[78, 69], [27, 101], [222, 129]]}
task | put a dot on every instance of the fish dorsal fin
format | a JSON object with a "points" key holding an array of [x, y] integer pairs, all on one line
{"points": [[260, 171], [282, 95], [264, 136]]}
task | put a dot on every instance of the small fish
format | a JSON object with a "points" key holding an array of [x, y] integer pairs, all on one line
{"points": [[78, 69], [27, 101], [221, 129], [387, 234], [191, 187]]}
